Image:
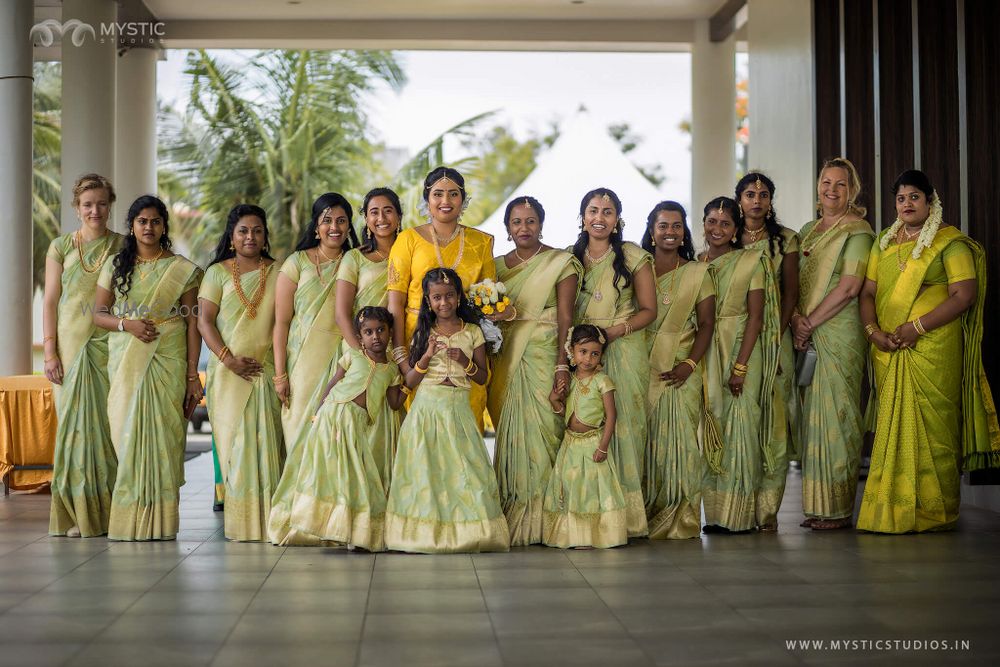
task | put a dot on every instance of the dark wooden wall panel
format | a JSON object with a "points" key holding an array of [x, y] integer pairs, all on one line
{"points": [[860, 101], [895, 97], [939, 156], [826, 19], [982, 56]]}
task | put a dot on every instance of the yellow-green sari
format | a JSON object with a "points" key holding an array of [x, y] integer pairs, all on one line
{"points": [[245, 416], [84, 465], [528, 433], [146, 401], [784, 437], [674, 464], [314, 336], [935, 411], [627, 364], [746, 421], [831, 424]]}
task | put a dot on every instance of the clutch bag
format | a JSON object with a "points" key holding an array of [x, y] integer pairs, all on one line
{"points": [[805, 366]]}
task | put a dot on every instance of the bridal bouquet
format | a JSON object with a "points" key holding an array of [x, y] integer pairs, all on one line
{"points": [[490, 297]]}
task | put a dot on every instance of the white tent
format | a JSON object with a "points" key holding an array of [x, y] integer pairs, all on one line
{"points": [[584, 157]]}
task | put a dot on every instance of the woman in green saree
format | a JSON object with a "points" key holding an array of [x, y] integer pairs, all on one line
{"points": [[922, 305], [76, 363], [619, 295], [677, 341], [835, 252], [759, 230], [739, 372], [236, 319], [305, 324], [361, 282], [147, 299], [542, 284]]}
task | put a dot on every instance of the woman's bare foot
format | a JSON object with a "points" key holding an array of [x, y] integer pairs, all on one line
{"points": [[73, 532]]}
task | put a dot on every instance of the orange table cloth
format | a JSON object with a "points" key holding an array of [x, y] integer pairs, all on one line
{"points": [[27, 429]]}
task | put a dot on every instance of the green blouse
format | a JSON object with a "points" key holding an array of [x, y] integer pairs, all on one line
{"points": [[364, 375], [586, 400]]}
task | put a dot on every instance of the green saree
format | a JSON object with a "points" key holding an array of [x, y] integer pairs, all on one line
{"points": [[674, 464], [935, 411], [313, 335], [528, 433], [627, 364], [146, 402], [831, 424], [84, 465], [746, 421], [784, 437], [245, 415]]}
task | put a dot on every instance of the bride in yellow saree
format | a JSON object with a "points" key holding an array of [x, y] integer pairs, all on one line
{"points": [[922, 305], [542, 284], [619, 295]]}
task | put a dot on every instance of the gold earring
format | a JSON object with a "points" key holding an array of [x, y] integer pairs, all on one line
{"points": [[231, 246]]}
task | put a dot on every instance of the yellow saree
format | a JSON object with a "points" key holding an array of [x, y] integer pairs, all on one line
{"points": [[831, 425], [313, 336], [528, 433], [784, 438], [674, 464], [935, 411], [245, 415], [146, 401], [84, 465], [627, 364], [746, 421], [470, 254]]}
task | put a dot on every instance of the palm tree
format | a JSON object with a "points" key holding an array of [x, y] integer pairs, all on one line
{"points": [[45, 179]]}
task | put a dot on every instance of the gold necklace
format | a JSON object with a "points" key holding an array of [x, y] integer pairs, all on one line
{"points": [[901, 260], [670, 287], [807, 249], [584, 386], [755, 234], [592, 260], [319, 273], [251, 305], [524, 261], [78, 238], [140, 261], [381, 255], [460, 232]]}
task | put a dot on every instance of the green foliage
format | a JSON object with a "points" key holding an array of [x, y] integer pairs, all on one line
{"points": [[45, 178]]}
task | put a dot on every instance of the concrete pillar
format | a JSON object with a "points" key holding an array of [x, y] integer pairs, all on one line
{"points": [[782, 108], [713, 119], [88, 102], [135, 127], [16, 18]]}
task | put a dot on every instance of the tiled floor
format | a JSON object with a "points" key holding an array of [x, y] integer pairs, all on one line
{"points": [[719, 600]]}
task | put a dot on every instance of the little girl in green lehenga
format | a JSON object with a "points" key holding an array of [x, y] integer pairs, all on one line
{"points": [[584, 504], [332, 489]]}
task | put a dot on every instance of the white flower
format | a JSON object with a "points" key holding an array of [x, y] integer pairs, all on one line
{"points": [[501, 288]]}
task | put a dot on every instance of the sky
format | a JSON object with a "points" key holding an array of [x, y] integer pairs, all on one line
{"points": [[649, 91]]}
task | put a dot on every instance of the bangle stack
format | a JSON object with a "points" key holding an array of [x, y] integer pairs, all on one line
{"points": [[472, 368], [399, 354], [740, 370], [690, 362], [628, 328], [223, 353], [870, 330], [562, 367], [280, 378], [919, 326]]}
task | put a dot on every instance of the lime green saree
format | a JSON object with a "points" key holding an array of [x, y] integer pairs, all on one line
{"points": [[84, 464], [245, 415], [528, 433], [626, 362], [146, 402], [831, 423], [935, 412]]}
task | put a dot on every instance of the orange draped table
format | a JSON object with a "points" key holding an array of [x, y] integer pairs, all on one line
{"points": [[27, 430]]}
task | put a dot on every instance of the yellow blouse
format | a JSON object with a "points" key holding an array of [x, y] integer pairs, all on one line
{"points": [[442, 368], [586, 399]]}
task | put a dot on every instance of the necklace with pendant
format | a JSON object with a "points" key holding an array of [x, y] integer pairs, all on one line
{"points": [[139, 261], [754, 234], [598, 296], [670, 287], [584, 386]]}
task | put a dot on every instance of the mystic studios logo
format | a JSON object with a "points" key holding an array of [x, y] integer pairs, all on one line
{"points": [[128, 33]]}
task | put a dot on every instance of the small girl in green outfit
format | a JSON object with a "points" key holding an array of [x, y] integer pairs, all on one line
{"points": [[584, 504], [332, 490]]}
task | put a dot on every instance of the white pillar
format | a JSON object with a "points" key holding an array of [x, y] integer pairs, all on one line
{"points": [[135, 126], [713, 119], [782, 103], [16, 18], [88, 101]]}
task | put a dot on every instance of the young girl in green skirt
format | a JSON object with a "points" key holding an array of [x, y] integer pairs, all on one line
{"points": [[584, 504], [332, 490], [444, 496]]}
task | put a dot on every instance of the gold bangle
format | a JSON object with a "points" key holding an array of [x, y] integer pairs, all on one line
{"points": [[422, 371], [738, 373], [472, 369], [192, 378], [919, 326], [223, 353], [46, 339], [690, 362], [279, 378], [740, 367], [870, 330], [51, 358], [628, 328]]}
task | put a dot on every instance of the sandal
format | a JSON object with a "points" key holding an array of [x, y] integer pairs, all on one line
{"points": [[768, 528], [831, 524], [808, 523]]}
